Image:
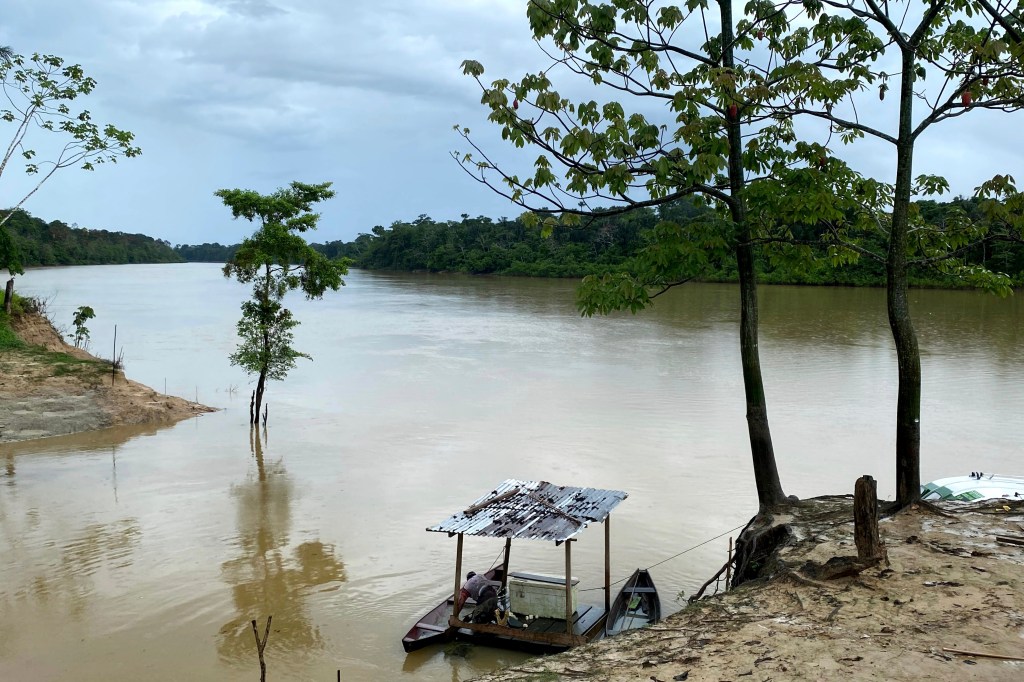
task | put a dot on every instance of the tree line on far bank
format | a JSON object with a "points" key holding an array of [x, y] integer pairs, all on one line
{"points": [[37, 242], [505, 246]]}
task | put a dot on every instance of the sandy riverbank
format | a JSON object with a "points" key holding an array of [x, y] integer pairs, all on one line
{"points": [[949, 585], [50, 388]]}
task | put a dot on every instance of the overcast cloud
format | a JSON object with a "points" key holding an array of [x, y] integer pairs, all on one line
{"points": [[257, 93]]}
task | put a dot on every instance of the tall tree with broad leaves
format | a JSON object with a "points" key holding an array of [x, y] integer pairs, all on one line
{"points": [[731, 98], [698, 126], [38, 92], [276, 260], [943, 60]]}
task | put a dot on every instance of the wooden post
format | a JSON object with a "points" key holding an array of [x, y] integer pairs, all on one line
{"points": [[607, 564], [458, 576], [504, 565], [728, 565], [865, 519], [8, 295], [113, 359], [568, 587]]}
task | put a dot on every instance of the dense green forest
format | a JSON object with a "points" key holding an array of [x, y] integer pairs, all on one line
{"points": [[206, 253], [38, 242], [507, 247]]}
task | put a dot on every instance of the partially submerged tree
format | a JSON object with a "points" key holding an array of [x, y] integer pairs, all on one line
{"points": [[275, 260], [38, 92]]}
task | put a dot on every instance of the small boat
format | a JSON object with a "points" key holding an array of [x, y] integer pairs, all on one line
{"points": [[976, 486], [636, 606], [432, 628]]}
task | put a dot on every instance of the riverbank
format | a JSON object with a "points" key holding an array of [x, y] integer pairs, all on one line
{"points": [[49, 388], [949, 584]]}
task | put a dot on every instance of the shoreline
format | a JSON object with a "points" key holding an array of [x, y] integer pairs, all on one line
{"points": [[50, 388], [947, 587]]}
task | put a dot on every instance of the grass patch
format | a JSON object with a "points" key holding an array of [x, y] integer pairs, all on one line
{"points": [[8, 339], [60, 364]]}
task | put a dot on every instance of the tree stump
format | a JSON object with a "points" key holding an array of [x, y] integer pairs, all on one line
{"points": [[865, 520]]}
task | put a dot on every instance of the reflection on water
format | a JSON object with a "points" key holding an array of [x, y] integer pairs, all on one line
{"points": [[94, 548], [102, 439], [61, 568], [267, 578]]}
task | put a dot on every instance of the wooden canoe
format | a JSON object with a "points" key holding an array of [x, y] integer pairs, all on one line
{"points": [[636, 606], [430, 629], [433, 628]]}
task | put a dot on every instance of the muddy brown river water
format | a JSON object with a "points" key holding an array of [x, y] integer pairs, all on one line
{"points": [[144, 553]]}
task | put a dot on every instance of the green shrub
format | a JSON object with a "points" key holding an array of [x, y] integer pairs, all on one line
{"points": [[8, 339]]}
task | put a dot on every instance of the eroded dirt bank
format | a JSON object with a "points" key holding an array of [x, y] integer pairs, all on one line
{"points": [[949, 585], [50, 389]]}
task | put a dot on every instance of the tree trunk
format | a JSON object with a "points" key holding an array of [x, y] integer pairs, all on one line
{"points": [[255, 415], [908, 355], [766, 472], [8, 295]]}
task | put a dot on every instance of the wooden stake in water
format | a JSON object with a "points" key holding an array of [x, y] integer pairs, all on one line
{"points": [[261, 645]]}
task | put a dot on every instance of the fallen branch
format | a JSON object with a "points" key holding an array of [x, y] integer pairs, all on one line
{"points": [[980, 654], [712, 579]]}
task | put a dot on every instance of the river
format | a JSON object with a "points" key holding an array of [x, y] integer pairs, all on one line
{"points": [[143, 553]]}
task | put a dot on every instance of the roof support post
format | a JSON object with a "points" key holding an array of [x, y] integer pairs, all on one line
{"points": [[568, 586], [607, 565], [458, 577], [504, 565]]}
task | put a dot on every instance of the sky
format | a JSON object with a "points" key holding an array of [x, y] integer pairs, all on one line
{"points": [[364, 93]]}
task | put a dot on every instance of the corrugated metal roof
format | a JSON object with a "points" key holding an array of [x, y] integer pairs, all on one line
{"points": [[532, 510]]}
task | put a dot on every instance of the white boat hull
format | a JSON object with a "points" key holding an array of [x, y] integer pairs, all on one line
{"points": [[976, 486]]}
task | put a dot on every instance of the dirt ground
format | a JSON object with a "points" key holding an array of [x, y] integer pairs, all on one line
{"points": [[53, 389], [949, 584]]}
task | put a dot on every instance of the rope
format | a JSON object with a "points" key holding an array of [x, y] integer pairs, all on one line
{"points": [[674, 556]]}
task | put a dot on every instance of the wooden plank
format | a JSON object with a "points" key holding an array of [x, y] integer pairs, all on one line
{"points": [[524, 635], [981, 654], [540, 500], [1010, 540], [486, 503], [590, 623]]}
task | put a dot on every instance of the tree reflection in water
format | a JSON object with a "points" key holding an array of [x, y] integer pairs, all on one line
{"points": [[269, 577]]}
